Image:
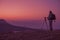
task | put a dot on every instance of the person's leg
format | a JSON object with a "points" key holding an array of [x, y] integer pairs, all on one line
{"points": [[50, 24]]}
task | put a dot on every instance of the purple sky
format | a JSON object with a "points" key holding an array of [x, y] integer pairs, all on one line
{"points": [[29, 13]]}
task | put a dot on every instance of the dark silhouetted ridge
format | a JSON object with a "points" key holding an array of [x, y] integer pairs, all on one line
{"points": [[5, 26]]}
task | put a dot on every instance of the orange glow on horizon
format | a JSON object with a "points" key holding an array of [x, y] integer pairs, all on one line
{"points": [[24, 10]]}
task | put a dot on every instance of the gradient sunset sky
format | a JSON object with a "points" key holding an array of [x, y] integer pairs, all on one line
{"points": [[23, 11]]}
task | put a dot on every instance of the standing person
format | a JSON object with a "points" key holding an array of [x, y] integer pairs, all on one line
{"points": [[51, 18]]}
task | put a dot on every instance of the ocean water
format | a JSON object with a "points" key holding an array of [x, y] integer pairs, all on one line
{"points": [[36, 24]]}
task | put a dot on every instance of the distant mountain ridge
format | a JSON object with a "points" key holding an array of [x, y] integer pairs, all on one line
{"points": [[4, 26]]}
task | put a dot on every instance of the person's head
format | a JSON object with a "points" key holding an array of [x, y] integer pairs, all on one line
{"points": [[50, 12]]}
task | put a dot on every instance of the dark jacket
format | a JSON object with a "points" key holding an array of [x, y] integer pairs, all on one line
{"points": [[51, 16]]}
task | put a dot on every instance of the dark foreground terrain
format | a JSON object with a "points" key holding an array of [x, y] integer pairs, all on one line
{"points": [[30, 35], [8, 32]]}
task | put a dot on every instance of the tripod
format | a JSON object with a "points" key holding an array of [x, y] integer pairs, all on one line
{"points": [[44, 23]]}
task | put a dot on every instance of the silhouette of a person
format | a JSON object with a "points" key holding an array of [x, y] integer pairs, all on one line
{"points": [[51, 18]]}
